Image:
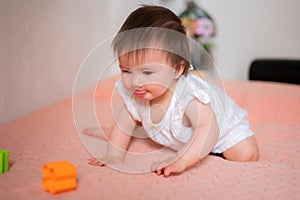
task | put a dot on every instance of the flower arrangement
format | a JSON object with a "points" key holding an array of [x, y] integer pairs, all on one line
{"points": [[199, 25]]}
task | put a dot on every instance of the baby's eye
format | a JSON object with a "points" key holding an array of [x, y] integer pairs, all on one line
{"points": [[147, 72], [125, 71]]}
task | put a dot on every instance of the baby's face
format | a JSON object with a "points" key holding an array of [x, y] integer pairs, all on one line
{"points": [[149, 75]]}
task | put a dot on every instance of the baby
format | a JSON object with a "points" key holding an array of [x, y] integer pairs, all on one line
{"points": [[176, 108]]}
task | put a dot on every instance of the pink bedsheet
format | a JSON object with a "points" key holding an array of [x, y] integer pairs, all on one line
{"points": [[50, 135]]}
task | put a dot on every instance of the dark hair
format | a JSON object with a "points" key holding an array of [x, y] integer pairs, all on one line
{"points": [[154, 27]]}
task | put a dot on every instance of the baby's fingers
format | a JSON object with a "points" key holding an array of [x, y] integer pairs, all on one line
{"points": [[154, 166], [174, 168], [158, 167], [170, 170], [95, 162]]}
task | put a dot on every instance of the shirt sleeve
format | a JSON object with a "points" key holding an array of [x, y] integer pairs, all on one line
{"points": [[200, 89]]}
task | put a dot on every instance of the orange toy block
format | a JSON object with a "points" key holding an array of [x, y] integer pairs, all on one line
{"points": [[59, 177]]}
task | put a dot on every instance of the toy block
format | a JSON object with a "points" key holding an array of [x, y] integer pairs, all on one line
{"points": [[59, 177], [4, 160]]}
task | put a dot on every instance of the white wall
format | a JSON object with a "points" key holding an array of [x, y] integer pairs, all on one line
{"points": [[254, 29], [42, 46], [43, 43]]}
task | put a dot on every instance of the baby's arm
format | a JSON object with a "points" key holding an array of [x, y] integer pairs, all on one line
{"points": [[205, 136], [119, 139]]}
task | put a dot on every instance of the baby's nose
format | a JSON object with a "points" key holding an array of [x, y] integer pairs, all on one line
{"points": [[137, 80]]}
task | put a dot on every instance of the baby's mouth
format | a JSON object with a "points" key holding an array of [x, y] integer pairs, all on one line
{"points": [[140, 93]]}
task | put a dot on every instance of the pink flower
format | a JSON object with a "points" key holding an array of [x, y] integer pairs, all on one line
{"points": [[205, 27]]}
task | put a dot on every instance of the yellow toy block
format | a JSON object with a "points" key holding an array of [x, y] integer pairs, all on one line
{"points": [[4, 160], [59, 177]]}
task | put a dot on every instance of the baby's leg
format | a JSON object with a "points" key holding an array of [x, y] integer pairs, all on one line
{"points": [[244, 151]]}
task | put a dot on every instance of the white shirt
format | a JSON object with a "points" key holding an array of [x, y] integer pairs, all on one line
{"points": [[171, 132]]}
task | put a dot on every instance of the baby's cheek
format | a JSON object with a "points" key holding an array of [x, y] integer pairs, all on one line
{"points": [[126, 82]]}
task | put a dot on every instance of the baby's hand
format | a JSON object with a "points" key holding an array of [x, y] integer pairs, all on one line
{"points": [[104, 161], [168, 167], [95, 162]]}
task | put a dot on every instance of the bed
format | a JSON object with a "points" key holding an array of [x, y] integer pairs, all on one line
{"points": [[51, 135]]}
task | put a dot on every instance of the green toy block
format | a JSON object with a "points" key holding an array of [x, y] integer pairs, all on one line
{"points": [[4, 156]]}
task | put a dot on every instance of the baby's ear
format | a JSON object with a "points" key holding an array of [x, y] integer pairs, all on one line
{"points": [[180, 69]]}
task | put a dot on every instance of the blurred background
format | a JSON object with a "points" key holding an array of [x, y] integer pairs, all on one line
{"points": [[44, 42]]}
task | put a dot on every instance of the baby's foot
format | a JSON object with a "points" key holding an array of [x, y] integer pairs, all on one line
{"points": [[95, 132]]}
